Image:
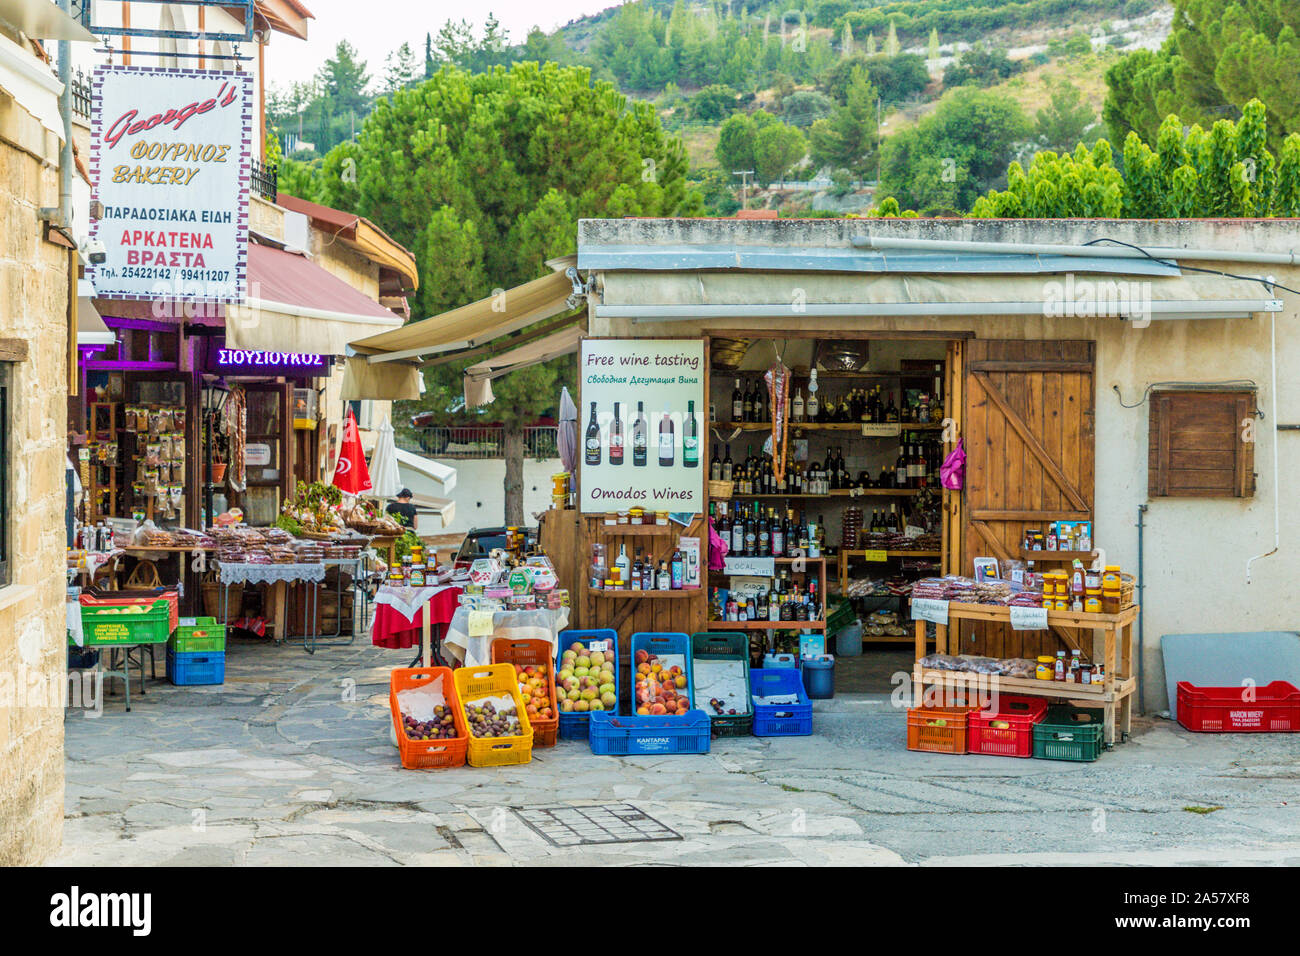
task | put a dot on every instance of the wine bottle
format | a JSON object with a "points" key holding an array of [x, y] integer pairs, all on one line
{"points": [[667, 440], [796, 407], [616, 438], [640, 438], [737, 403], [715, 466], [592, 456], [690, 439], [727, 466]]}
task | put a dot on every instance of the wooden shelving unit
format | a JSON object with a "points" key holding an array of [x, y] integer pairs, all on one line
{"points": [[1084, 556], [766, 625], [833, 426], [842, 493], [1112, 645], [621, 594]]}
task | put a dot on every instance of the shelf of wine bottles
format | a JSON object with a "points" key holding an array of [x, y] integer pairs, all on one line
{"points": [[833, 426], [842, 493], [766, 625]]}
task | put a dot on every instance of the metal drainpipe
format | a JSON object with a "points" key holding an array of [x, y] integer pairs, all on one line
{"points": [[62, 216], [1142, 510]]}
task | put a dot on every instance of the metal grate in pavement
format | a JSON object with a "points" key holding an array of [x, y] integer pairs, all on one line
{"points": [[587, 826]]}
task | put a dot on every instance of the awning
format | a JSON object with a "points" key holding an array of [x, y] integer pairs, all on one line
{"points": [[91, 330], [679, 296], [478, 378], [43, 20], [293, 305], [474, 324], [385, 366]]}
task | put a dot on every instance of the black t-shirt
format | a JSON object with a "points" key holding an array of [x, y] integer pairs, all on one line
{"points": [[403, 512]]}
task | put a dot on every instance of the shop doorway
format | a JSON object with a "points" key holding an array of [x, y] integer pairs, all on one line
{"points": [[862, 471]]}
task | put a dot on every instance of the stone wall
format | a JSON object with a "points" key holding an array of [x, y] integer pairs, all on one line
{"points": [[33, 307]]}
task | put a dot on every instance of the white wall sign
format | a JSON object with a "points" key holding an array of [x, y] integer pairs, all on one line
{"points": [[169, 159], [641, 424], [257, 454]]}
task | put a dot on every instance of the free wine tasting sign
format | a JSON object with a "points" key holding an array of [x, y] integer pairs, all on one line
{"points": [[641, 425], [170, 160]]}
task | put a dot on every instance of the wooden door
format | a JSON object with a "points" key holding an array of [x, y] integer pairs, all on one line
{"points": [[1030, 461]]}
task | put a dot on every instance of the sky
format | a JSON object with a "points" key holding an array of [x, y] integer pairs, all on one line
{"points": [[386, 23]]}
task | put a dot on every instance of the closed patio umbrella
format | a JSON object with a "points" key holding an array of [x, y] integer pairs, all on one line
{"points": [[566, 435], [383, 463]]}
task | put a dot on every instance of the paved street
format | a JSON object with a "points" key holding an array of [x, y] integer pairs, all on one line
{"points": [[290, 762]]}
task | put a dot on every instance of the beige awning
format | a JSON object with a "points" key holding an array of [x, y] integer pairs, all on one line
{"points": [[386, 366], [293, 305], [91, 329], [471, 325], [43, 20], [478, 378]]}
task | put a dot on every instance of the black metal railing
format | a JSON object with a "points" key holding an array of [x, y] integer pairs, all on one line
{"points": [[265, 180], [81, 94]]}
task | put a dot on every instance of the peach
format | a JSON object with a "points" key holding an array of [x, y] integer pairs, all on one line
{"points": [[643, 710], [658, 709]]}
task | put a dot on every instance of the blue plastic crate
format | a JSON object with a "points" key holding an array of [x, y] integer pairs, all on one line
{"points": [[612, 735], [784, 720], [575, 726], [200, 667], [659, 643]]}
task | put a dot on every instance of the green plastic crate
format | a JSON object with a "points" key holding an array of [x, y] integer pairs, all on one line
{"points": [[109, 627], [204, 635], [1069, 733], [724, 646]]}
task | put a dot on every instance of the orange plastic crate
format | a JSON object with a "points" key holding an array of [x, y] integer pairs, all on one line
{"points": [[926, 734], [494, 680], [546, 730], [428, 754]]}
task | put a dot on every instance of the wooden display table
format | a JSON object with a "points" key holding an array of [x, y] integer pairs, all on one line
{"points": [[1112, 646]]}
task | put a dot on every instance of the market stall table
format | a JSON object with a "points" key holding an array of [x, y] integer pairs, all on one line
{"points": [[470, 633], [401, 620], [1112, 645], [276, 575]]}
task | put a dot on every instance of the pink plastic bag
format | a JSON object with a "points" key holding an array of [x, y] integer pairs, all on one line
{"points": [[953, 469], [717, 549]]}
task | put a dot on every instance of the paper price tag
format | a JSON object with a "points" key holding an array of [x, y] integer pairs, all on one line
{"points": [[876, 555], [930, 609], [1029, 618], [755, 567]]}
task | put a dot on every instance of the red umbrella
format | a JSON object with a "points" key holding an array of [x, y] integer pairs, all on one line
{"points": [[351, 475]]}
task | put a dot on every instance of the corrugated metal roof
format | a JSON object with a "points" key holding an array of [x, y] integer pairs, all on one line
{"points": [[669, 258]]}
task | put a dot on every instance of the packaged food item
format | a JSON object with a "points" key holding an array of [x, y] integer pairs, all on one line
{"points": [[1110, 600], [1111, 577], [1043, 671]]}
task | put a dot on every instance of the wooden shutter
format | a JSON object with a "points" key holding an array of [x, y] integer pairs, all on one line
{"points": [[1030, 461], [1198, 447]]}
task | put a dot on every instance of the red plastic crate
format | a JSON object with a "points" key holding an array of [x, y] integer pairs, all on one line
{"points": [[1229, 710], [1016, 739], [937, 730]]}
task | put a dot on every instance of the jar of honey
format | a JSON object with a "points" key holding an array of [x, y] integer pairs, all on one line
{"points": [[1110, 578], [1044, 669], [1110, 600]]}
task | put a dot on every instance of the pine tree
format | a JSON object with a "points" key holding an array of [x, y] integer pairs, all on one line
{"points": [[891, 41], [871, 44], [932, 51], [846, 40]]}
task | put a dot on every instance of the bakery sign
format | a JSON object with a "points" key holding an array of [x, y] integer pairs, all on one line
{"points": [[170, 162]]}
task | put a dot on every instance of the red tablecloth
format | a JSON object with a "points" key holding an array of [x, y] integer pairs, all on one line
{"points": [[392, 629]]}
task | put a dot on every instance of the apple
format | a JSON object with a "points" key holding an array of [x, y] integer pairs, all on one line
{"points": [[581, 706], [609, 699], [597, 658], [584, 660], [596, 705], [606, 688], [589, 694], [576, 648]]}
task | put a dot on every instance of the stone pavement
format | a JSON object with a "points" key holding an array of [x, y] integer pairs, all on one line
{"points": [[290, 762]]}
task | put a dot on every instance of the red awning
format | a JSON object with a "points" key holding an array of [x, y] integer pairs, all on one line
{"points": [[293, 305]]}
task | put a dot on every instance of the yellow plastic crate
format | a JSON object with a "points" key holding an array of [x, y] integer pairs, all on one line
{"points": [[494, 680]]}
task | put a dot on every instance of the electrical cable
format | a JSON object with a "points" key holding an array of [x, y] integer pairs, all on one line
{"points": [[1182, 265], [1230, 383]]}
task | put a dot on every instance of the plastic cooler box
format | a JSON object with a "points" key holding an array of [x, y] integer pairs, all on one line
{"points": [[780, 720], [1269, 708], [428, 754], [1010, 731], [494, 680], [576, 726], [722, 646], [654, 733], [533, 651], [205, 667]]}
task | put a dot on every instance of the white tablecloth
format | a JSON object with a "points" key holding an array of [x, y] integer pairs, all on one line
{"points": [[408, 601], [543, 624]]}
